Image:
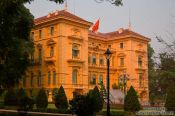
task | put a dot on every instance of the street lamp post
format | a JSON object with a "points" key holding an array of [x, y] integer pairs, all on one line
{"points": [[124, 82], [108, 54]]}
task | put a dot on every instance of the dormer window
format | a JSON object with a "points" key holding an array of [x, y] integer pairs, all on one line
{"points": [[121, 45], [40, 34], [52, 31]]}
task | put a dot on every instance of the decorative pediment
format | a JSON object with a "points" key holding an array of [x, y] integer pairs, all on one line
{"points": [[75, 32], [121, 55], [39, 45], [51, 42]]}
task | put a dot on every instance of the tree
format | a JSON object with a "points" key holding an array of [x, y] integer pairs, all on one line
{"points": [[61, 99], [170, 102], [87, 105], [79, 105], [96, 99], [103, 92], [41, 99], [24, 102], [14, 30], [21, 96], [131, 102], [16, 22], [54, 93]]}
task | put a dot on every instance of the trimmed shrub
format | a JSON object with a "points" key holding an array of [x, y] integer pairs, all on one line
{"points": [[41, 99], [10, 98], [96, 99], [131, 102], [87, 105], [54, 93], [61, 99], [21, 94]]}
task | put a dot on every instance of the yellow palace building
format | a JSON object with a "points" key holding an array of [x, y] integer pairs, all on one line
{"points": [[67, 53]]}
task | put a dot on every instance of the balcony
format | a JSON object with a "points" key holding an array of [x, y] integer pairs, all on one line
{"points": [[50, 59], [75, 59], [77, 86]]}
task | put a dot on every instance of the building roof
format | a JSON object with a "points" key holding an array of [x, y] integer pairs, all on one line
{"points": [[62, 13], [104, 36], [119, 33]]}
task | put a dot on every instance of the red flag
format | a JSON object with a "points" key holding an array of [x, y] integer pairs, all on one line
{"points": [[96, 26]]}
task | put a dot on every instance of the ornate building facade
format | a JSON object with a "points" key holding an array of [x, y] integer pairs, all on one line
{"points": [[67, 53]]}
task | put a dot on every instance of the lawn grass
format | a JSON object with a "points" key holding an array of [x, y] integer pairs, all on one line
{"points": [[51, 106]]}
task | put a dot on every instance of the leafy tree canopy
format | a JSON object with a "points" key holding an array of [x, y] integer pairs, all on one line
{"points": [[170, 102]]}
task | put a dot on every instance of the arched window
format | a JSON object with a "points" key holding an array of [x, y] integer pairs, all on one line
{"points": [[75, 51], [40, 55], [51, 51], [101, 62], [48, 75], [141, 84], [39, 78], [93, 59], [94, 79], [31, 81], [89, 59], [54, 78], [100, 80], [140, 61], [74, 76]]}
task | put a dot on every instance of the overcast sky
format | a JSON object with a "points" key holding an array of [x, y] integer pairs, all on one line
{"points": [[148, 17]]}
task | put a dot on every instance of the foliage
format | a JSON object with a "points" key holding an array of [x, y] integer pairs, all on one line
{"points": [[131, 102], [96, 99], [170, 102], [115, 2], [15, 43], [16, 22], [61, 99], [87, 105], [114, 86], [21, 94], [24, 102], [54, 93], [103, 92], [10, 98], [41, 99]]}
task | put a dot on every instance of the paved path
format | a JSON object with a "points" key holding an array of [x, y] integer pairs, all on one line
{"points": [[42, 113]]}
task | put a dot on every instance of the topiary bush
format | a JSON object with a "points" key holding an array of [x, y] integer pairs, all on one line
{"points": [[10, 98], [41, 99], [87, 105], [61, 99], [96, 99], [131, 102], [54, 93]]}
